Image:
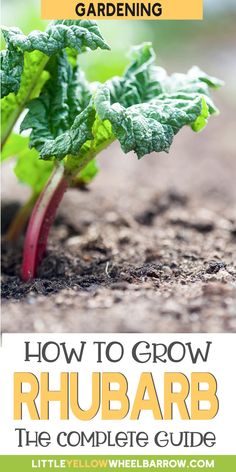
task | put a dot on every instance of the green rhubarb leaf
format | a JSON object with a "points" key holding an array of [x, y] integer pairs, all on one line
{"points": [[201, 120], [14, 146], [141, 81], [33, 171], [196, 74], [12, 64], [23, 62], [79, 93], [32, 81], [79, 35], [29, 169], [72, 140], [151, 126], [195, 81], [48, 115], [61, 118], [102, 137], [137, 85], [145, 109]]}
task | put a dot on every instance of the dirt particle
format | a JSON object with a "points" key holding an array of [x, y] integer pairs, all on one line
{"points": [[52, 266], [233, 231], [215, 266], [160, 205]]}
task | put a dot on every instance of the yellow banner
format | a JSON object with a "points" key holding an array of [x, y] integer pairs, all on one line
{"points": [[122, 10]]}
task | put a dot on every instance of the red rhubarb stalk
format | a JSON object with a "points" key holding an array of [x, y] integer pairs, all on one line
{"points": [[41, 220]]}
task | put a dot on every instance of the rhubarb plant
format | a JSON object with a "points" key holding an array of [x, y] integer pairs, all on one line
{"points": [[67, 121]]}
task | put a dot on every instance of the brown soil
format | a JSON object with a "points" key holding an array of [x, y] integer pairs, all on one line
{"points": [[150, 248]]}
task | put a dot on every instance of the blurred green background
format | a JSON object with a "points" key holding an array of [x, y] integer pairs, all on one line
{"points": [[179, 44]]}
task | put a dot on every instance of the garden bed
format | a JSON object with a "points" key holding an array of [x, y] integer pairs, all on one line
{"points": [[151, 247]]}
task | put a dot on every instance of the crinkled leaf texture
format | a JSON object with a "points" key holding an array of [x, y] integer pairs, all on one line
{"points": [[151, 126], [144, 110], [23, 63], [27, 64], [80, 35], [141, 81], [74, 120], [32, 81], [62, 116], [195, 81]]}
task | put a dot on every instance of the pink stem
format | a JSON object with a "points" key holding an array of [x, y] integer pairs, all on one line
{"points": [[41, 220]]}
